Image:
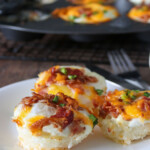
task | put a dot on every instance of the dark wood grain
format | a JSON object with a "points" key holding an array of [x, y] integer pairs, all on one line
{"points": [[13, 71]]}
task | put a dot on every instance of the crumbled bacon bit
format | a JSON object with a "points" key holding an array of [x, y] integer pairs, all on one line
{"points": [[76, 127], [87, 11], [107, 108], [145, 106], [38, 125], [61, 119], [145, 17], [109, 130]]}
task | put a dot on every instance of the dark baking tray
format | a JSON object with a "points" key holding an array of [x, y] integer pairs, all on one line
{"points": [[52, 25]]}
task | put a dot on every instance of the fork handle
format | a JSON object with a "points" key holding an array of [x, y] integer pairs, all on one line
{"points": [[145, 85]]}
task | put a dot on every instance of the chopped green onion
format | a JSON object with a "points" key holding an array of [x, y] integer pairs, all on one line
{"points": [[95, 12], [147, 94], [133, 97], [124, 96], [128, 92], [83, 15], [72, 77], [72, 18], [137, 91], [61, 105], [99, 91], [55, 99], [94, 119], [63, 70], [105, 11]]}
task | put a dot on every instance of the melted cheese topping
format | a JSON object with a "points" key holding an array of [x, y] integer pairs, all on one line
{"points": [[141, 13], [129, 107], [90, 13]]}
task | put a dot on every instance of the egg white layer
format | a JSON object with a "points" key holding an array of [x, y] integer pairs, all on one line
{"points": [[56, 138], [123, 131], [139, 2]]}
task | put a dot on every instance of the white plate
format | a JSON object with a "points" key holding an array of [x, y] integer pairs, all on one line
{"points": [[12, 94]]}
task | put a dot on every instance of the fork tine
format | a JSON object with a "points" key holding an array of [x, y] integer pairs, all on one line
{"points": [[118, 63], [112, 62], [120, 57], [128, 60]]}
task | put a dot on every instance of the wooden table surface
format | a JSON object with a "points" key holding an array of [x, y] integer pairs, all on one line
{"points": [[13, 70]]}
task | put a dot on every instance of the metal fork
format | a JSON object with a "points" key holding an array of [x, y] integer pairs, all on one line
{"points": [[123, 66]]}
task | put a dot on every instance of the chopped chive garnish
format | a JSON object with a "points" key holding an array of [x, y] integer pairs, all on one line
{"points": [[133, 97], [136, 91], [94, 119], [61, 105], [105, 11], [99, 91], [72, 18], [72, 77], [128, 92], [124, 97], [55, 99], [95, 12], [63, 70], [147, 94], [83, 15]]}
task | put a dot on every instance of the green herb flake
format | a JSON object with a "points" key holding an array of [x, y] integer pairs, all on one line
{"points": [[147, 94], [83, 15], [136, 91], [94, 119], [95, 12], [99, 91], [105, 11], [61, 105], [128, 92], [124, 96], [55, 99], [70, 77], [63, 70], [133, 97], [72, 18]]}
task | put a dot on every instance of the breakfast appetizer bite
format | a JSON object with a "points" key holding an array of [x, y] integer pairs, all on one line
{"points": [[92, 13], [140, 2], [125, 115], [140, 13], [83, 2], [86, 87], [52, 122]]}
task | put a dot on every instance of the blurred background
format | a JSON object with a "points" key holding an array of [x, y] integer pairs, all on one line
{"points": [[32, 40]]}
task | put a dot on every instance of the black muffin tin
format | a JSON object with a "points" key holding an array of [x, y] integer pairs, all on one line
{"points": [[121, 25]]}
